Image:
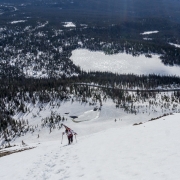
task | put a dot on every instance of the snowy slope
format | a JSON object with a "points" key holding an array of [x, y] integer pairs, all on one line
{"points": [[148, 151], [88, 121]]}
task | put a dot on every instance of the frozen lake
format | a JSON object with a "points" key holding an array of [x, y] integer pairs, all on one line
{"points": [[121, 63]]}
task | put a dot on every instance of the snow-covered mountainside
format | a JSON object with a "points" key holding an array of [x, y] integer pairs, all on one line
{"points": [[147, 151], [108, 70]]}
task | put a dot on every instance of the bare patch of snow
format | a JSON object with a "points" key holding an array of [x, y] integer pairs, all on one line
{"points": [[58, 32], [42, 25], [147, 39], [69, 24], [149, 32], [20, 21], [27, 28], [176, 45], [80, 43], [84, 25], [2, 29]]}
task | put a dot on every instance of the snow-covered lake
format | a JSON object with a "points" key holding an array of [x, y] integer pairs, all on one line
{"points": [[121, 63]]}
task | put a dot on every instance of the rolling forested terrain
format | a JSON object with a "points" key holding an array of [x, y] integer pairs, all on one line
{"points": [[37, 38]]}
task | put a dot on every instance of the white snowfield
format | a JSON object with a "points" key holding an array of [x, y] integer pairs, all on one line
{"points": [[88, 121], [69, 24], [121, 63], [149, 32], [176, 45], [20, 21], [144, 152]]}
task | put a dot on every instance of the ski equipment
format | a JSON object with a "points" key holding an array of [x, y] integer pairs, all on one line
{"points": [[62, 139], [69, 132]]}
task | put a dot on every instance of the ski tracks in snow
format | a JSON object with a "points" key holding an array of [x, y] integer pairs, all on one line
{"points": [[149, 151], [55, 163]]}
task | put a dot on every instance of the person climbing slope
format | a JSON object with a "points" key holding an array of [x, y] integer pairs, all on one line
{"points": [[69, 132]]}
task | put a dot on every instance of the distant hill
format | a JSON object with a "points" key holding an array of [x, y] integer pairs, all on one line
{"points": [[122, 9]]}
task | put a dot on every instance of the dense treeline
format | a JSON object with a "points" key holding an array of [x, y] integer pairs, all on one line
{"points": [[16, 92], [128, 80]]}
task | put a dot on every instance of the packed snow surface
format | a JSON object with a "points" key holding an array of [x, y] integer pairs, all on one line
{"points": [[69, 24], [148, 151], [121, 63], [149, 32]]}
